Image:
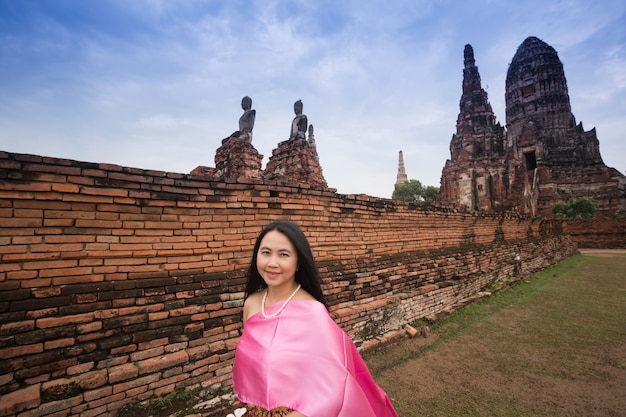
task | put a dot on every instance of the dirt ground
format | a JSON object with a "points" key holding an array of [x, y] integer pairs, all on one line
{"points": [[554, 348]]}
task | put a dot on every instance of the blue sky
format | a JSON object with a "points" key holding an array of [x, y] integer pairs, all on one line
{"points": [[157, 84]]}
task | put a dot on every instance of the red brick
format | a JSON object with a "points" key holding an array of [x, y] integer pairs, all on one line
{"points": [[186, 311], [46, 292], [65, 188], [92, 379], [89, 327], [16, 195], [428, 288], [154, 343], [122, 372], [107, 216], [137, 382], [28, 256], [46, 312], [95, 394], [16, 351], [58, 222], [162, 362], [22, 222], [194, 327], [49, 322], [123, 350], [147, 353], [59, 343], [7, 164], [86, 298], [67, 279], [8, 329], [80, 180], [46, 265], [99, 411], [34, 213], [23, 399], [70, 239], [65, 405], [69, 214], [87, 172], [131, 310], [161, 386], [81, 368], [105, 192], [99, 224], [158, 316]]}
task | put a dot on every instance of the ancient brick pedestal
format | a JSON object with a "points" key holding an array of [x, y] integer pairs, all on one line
{"points": [[237, 158], [296, 162]]}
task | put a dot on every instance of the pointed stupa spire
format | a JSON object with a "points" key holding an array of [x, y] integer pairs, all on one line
{"points": [[473, 97], [471, 76], [401, 178], [476, 115], [477, 133]]}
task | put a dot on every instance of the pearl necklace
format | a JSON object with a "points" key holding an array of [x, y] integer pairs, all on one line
{"points": [[267, 316]]}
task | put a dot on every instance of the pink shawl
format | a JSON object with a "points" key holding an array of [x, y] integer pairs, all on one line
{"points": [[302, 360]]}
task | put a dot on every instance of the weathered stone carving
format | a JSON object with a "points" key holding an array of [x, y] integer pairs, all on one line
{"points": [[246, 121], [311, 141], [300, 122]]}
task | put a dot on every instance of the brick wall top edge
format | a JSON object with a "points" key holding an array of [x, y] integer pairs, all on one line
{"points": [[283, 187]]}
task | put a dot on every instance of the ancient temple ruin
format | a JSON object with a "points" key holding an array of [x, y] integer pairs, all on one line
{"points": [[541, 158]]}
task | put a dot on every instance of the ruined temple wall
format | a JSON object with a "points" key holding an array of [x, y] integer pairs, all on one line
{"points": [[484, 184], [597, 233], [118, 285], [605, 185]]}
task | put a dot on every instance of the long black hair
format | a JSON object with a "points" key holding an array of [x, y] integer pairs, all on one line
{"points": [[307, 274]]}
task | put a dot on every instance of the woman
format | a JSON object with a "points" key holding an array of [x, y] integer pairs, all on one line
{"points": [[292, 359]]}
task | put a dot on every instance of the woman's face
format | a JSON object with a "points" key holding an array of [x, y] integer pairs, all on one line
{"points": [[277, 260]]}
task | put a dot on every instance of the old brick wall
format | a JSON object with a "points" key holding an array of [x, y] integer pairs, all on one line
{"points": [[597, 233], [118, 285]]}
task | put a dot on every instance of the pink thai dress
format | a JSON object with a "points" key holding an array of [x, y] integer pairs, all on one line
{"points": [[302, 360]]}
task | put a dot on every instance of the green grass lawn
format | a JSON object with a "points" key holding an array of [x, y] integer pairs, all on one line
{"points": [[552, 345]]}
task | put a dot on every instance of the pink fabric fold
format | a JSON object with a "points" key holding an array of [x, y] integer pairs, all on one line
{"points": [[302, 360]]}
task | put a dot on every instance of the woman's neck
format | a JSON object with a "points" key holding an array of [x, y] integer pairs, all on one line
{"points": [[275, 294]]}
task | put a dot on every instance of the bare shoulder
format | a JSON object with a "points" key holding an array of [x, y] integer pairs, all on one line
{"points": [[252, 305], [303, 295]]}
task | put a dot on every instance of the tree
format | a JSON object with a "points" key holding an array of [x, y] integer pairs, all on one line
{"points": [[430, 193], [413, 190], [578, 207]]}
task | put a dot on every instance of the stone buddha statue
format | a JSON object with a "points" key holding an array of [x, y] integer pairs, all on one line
{"points": [[246, 121], [300, 122]]}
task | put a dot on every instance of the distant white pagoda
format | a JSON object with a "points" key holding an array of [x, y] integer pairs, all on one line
{"points": [[401, 178]]}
